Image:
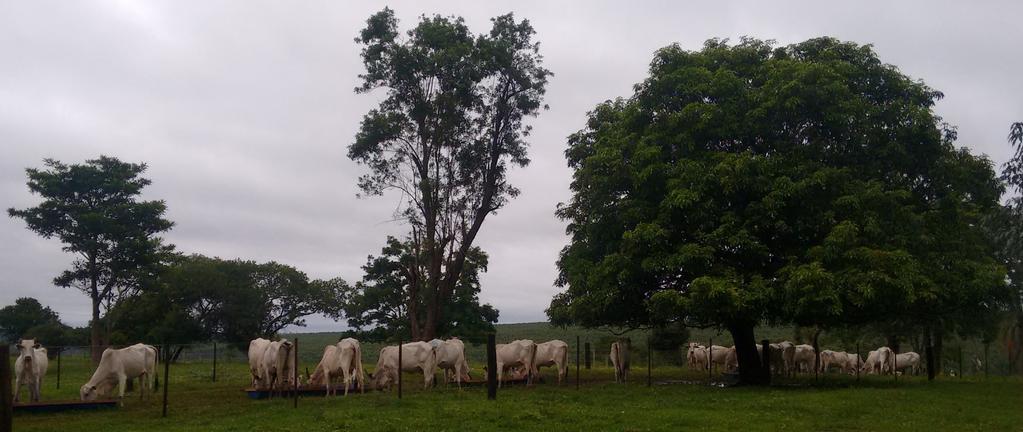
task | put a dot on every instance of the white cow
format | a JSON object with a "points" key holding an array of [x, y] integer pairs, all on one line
{"points": [[343, 359], [852, 362], [276, 368], [878, 361], [731, 361], [696, 356], [415, 356], [803, 358], [451, 358], [886, 360], [517, 353], [552, 353], [257, 347], [719, 355], [788, 354], [831, 359], [117, 366], [620, 361], [29, 368], [907, 360], [777, 357]]}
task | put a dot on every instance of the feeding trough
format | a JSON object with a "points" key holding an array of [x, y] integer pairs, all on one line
{"points": [[311, 390], [61, 406]]}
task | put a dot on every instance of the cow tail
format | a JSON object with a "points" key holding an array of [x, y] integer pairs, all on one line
{"points": [[358, 359]]}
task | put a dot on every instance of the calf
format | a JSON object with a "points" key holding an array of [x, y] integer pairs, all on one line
{"points": [[29, 368], [414, 356], [117, 366]]}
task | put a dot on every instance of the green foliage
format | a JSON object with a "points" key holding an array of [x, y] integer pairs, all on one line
{"points": [[378, 305], [808, 184], [95, 211], [26, 313], [200, 299], [450, 125]]}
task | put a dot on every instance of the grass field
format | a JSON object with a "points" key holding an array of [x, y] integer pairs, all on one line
{"points": [[834, 403]]}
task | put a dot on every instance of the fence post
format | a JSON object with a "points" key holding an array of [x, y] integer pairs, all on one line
{"points": [[985, 358], [710, 359], [857, 361], [6, 395], [649, 355], [577, 347], [491, 367], [214, 362], [61, 349], [399, 367], [294, 374], [765, 360], [588, 357], [166, 375]]}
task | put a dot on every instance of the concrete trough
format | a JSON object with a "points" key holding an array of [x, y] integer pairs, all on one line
{"points": [[61, 406]]}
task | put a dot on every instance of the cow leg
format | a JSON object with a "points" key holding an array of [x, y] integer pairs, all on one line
{"points": [[347, 378], [122, 381], [17, 388], [500, 374]]}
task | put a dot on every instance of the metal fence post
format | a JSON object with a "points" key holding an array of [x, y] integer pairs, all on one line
{"points": [[59, 350], [166, 376], [491, 367], [577, 347], [399, 368], [6, 395], [214, 362], [588, 357]]}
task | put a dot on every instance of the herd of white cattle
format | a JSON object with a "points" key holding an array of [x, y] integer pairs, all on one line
{"points": [[787, 358], [272, 363]]}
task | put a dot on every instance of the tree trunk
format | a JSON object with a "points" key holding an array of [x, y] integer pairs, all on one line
{"points": [[929, 354], [750, 372], [937, 346], [95, 332], [893, 342], [816, 352]]}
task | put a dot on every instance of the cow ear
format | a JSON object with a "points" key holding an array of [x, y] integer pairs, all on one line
{"points": [[37, 345]]}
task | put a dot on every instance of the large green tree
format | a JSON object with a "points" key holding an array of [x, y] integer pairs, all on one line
{"points": [[449, 126], [379, 304], [1006, 228], [24, 314], [95, 211], [198, 298], [749, 183]]}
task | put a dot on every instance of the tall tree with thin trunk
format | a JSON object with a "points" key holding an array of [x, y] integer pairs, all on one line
{"points": [[95, 211], [450, 125]]}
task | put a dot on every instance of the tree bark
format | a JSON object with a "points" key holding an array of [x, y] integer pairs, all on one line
{"points": [[750, 367], [95, 331]]}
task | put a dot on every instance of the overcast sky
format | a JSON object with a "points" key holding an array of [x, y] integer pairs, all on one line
{"points": [[244, 110]]}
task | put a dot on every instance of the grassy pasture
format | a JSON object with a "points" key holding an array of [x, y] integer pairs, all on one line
{"points": [[837, 403]]}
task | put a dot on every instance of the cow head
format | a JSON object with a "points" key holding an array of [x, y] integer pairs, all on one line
{"points": [[27, 347], [88, 392]]}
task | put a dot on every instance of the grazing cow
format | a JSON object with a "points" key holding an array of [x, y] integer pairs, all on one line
{"points": [[514, 354], [696, 356], [871, 365], [276, 366], [117, 366], [886, 360], [851, 363], [451, 358], [415, 356], [327, 369], [552, 353], [907, 360], [804, 358], [257, 347], [777, 355], [620, 360], [29, 368]]}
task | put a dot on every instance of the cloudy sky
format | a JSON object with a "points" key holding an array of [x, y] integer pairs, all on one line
{"points": [[244, 109]]}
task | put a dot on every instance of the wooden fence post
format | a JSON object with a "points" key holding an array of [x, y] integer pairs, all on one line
{"points": [[491, 367], [6, 394], [214, 362], [649, 355], [61, 349], [166, 376], [577, 347], [399, 367], [295, 373]]}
